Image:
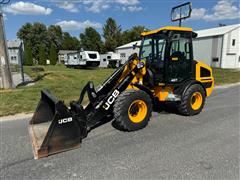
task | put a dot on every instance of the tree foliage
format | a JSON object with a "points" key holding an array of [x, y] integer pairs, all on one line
{"points": [[53, 54], [42, 41], [133, 34], [69, 42], [55, 35], [28, 58], [37, 34], [91, 40], [42, 55], [112, 35]]}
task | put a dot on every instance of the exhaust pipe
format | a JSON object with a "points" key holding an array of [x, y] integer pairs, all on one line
{"points": [[54, 128]]}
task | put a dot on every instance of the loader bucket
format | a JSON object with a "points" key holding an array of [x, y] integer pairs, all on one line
{"points": [[53, 128]]}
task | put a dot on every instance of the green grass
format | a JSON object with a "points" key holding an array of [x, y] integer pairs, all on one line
{"points": [[62, 82], [66, 85], [226, 76]]}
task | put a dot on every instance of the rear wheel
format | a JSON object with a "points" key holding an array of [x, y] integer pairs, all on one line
{"points": [[132, 110], [192, 101]]}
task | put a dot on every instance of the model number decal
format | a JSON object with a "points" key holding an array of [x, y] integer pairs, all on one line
{"points": [[111, 99], [65, 120]]}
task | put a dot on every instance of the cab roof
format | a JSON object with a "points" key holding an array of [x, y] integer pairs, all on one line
{"points": [[167, 28]]}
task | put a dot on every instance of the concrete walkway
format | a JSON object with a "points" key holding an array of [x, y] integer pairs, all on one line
{"points": [[17, 78]]}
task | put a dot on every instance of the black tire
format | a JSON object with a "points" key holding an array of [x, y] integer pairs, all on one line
{"points": [[124, 104], [185, 107]]}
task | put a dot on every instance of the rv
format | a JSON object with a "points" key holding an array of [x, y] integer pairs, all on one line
{"points": [[110, 60], [83, 59]]}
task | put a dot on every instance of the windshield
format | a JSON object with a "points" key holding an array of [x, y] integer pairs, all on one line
{"points": [[153, 47]]}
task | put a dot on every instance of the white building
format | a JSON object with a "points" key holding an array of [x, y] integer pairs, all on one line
{"points": [[217, 47], [127, 50], [15, 52]]}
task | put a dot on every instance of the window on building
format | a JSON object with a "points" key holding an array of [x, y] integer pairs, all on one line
{"points": [[123, 55], [215, 59], [233, 42], [13, 58], [104, 59], [108, 57]]}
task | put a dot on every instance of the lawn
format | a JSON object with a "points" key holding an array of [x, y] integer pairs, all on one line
{"points": [[66, 85], [62, 82], [226, 76]]}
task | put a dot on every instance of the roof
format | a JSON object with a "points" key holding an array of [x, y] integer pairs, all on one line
{"points": [[129, 45], [201, 33], [66, 51], [14, 43], [216, 31], [166, 28]]}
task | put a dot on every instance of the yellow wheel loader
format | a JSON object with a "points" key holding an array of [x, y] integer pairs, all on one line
{"points": [[164, 70]]}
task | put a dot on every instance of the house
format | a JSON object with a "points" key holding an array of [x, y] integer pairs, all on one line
{"points": [[15, 51], [218, 47], [127, 50], [63, 55]]}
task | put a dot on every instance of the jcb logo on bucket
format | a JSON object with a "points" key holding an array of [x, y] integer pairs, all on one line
{"points": [[111, 99], [65, 120]]}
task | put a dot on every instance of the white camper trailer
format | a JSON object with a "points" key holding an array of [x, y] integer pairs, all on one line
{"points": [[83, 59], [111, 60]]}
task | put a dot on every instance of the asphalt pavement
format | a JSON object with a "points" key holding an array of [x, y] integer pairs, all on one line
{"points": [[172, 146]]}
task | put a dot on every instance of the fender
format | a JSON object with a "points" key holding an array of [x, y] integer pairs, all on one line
{"points": [[183, 88]]}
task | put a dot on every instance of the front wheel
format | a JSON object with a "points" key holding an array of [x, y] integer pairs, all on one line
{"points": [[193, 100], [132, 110]]}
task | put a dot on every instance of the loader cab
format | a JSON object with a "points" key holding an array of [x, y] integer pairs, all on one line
{"points": [[168, 54]]}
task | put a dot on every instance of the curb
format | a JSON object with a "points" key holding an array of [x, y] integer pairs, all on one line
{"points": [[26, 116], [227, 86], [16, 117]]}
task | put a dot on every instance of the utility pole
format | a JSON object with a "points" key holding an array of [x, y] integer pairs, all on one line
{"points": [[4, 61]]}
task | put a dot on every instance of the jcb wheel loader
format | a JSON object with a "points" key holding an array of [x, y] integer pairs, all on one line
{"points": [[164, 70]]}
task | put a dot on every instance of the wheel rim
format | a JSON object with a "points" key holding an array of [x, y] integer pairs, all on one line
{"points": [[137, 111], [196, 100]]}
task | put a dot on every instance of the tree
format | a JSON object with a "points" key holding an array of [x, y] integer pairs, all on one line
{"points": [[28, 58], [34, 34], [133, 34], [69, 42], [53, 54], [91, 40], [42, 55], [55, 35], [112, 34]]}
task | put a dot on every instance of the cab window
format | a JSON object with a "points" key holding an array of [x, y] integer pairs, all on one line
{"points": [[180, 48]]}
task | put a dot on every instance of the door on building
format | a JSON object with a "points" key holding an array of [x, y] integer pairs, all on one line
{"points": [[231, 61]]}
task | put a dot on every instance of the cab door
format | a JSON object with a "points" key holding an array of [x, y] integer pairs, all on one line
{"points": [[180, 58]]}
